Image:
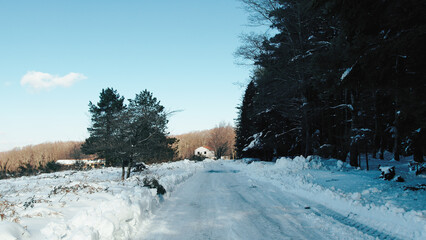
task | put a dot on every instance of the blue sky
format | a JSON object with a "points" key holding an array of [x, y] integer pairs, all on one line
{"points": [[56, 56]]}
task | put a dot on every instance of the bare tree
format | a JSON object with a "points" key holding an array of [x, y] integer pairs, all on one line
{"points": [[260, 10], [214, 138], [252, 47], [259, 16], [222, 140], [40, 155], [189, 142]]}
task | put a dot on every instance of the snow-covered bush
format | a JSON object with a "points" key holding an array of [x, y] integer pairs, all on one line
{"points": [[139, 167], [152, 182], [198, 158], [417, 168], [388, 173]]}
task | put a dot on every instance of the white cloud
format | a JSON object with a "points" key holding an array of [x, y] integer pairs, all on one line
{"points": [[42, 81]]}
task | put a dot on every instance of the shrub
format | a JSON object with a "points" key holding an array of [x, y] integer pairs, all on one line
{"points": [[153, 183], [138, 167], [27, 169], [198, 158], [79, 165], [52, 166]]}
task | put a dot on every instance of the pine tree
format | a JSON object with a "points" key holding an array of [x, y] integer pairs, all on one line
{"points": [[105, 117], [244, 129], [337, 77], [144, 131], [128, 134], [386, 58], [287, 95]]}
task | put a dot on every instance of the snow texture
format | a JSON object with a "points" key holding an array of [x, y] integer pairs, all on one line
{"points": [[345, 73], [221, 202], [348, 106], [302, 198], [93, 204], [255, 143], [386, 207]]}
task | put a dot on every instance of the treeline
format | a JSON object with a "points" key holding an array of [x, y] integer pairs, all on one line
{"points": [[37, 156], [124, 134], [221, 139], [337, 79]]}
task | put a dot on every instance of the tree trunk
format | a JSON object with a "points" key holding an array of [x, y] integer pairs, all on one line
{"points": [[298, 48], [307, 135], [359, 159], [353, 161], [396, 147], [129, 168], [418, 155], [344, 145], [418, 146], [354, 145], [307, 132], [376, 127], [122, 169], [366, 155]]}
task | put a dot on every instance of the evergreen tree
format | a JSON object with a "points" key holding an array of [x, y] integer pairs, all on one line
{"points": [[244, 129], [144, 131], [105, 117], [284, 106], [129, 134], [337, 77], [387, 62]]}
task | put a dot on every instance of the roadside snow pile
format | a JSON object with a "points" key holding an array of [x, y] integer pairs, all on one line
{"points": [[92, 204], [296, 164], [389, 207], [12, 231]]}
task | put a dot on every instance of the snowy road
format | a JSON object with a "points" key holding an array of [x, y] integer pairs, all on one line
{"points": [[221, 203]]}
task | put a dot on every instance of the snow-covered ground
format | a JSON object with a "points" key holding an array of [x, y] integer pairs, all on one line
{"points": [[222, 202], [298, 198], [92, 204], [357, 197]]}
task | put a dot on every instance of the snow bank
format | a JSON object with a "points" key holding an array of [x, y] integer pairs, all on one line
{"points": [[296, 164], [358, 194], [12, 231], [113, 218], [91, 205]]}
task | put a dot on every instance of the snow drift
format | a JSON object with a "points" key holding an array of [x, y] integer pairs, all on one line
{"points": [[91, 205], [355, 193]]}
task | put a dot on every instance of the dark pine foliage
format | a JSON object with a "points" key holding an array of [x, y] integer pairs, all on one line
{"points": [[244, 123], [338, 78], [105, 119], [127, 134]]}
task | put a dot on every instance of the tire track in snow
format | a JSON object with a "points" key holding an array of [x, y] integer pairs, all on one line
{"points": [[320, 209], [221, 203]]}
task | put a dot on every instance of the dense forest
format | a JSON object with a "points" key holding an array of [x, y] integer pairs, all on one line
{"points": [[335, 78]]}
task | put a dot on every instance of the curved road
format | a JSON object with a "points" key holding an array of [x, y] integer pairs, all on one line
{"points": [[221, 203]]}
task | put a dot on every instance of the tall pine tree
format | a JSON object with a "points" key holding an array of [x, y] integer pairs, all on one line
{"points": [[338, 77], [244, 129], [144, 131], [105, 117]]}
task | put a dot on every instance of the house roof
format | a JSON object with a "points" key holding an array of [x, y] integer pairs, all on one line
{"points": [[209, 148]]}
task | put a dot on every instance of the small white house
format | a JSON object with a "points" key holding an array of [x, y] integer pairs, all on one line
{"points": [[205, 151]]}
